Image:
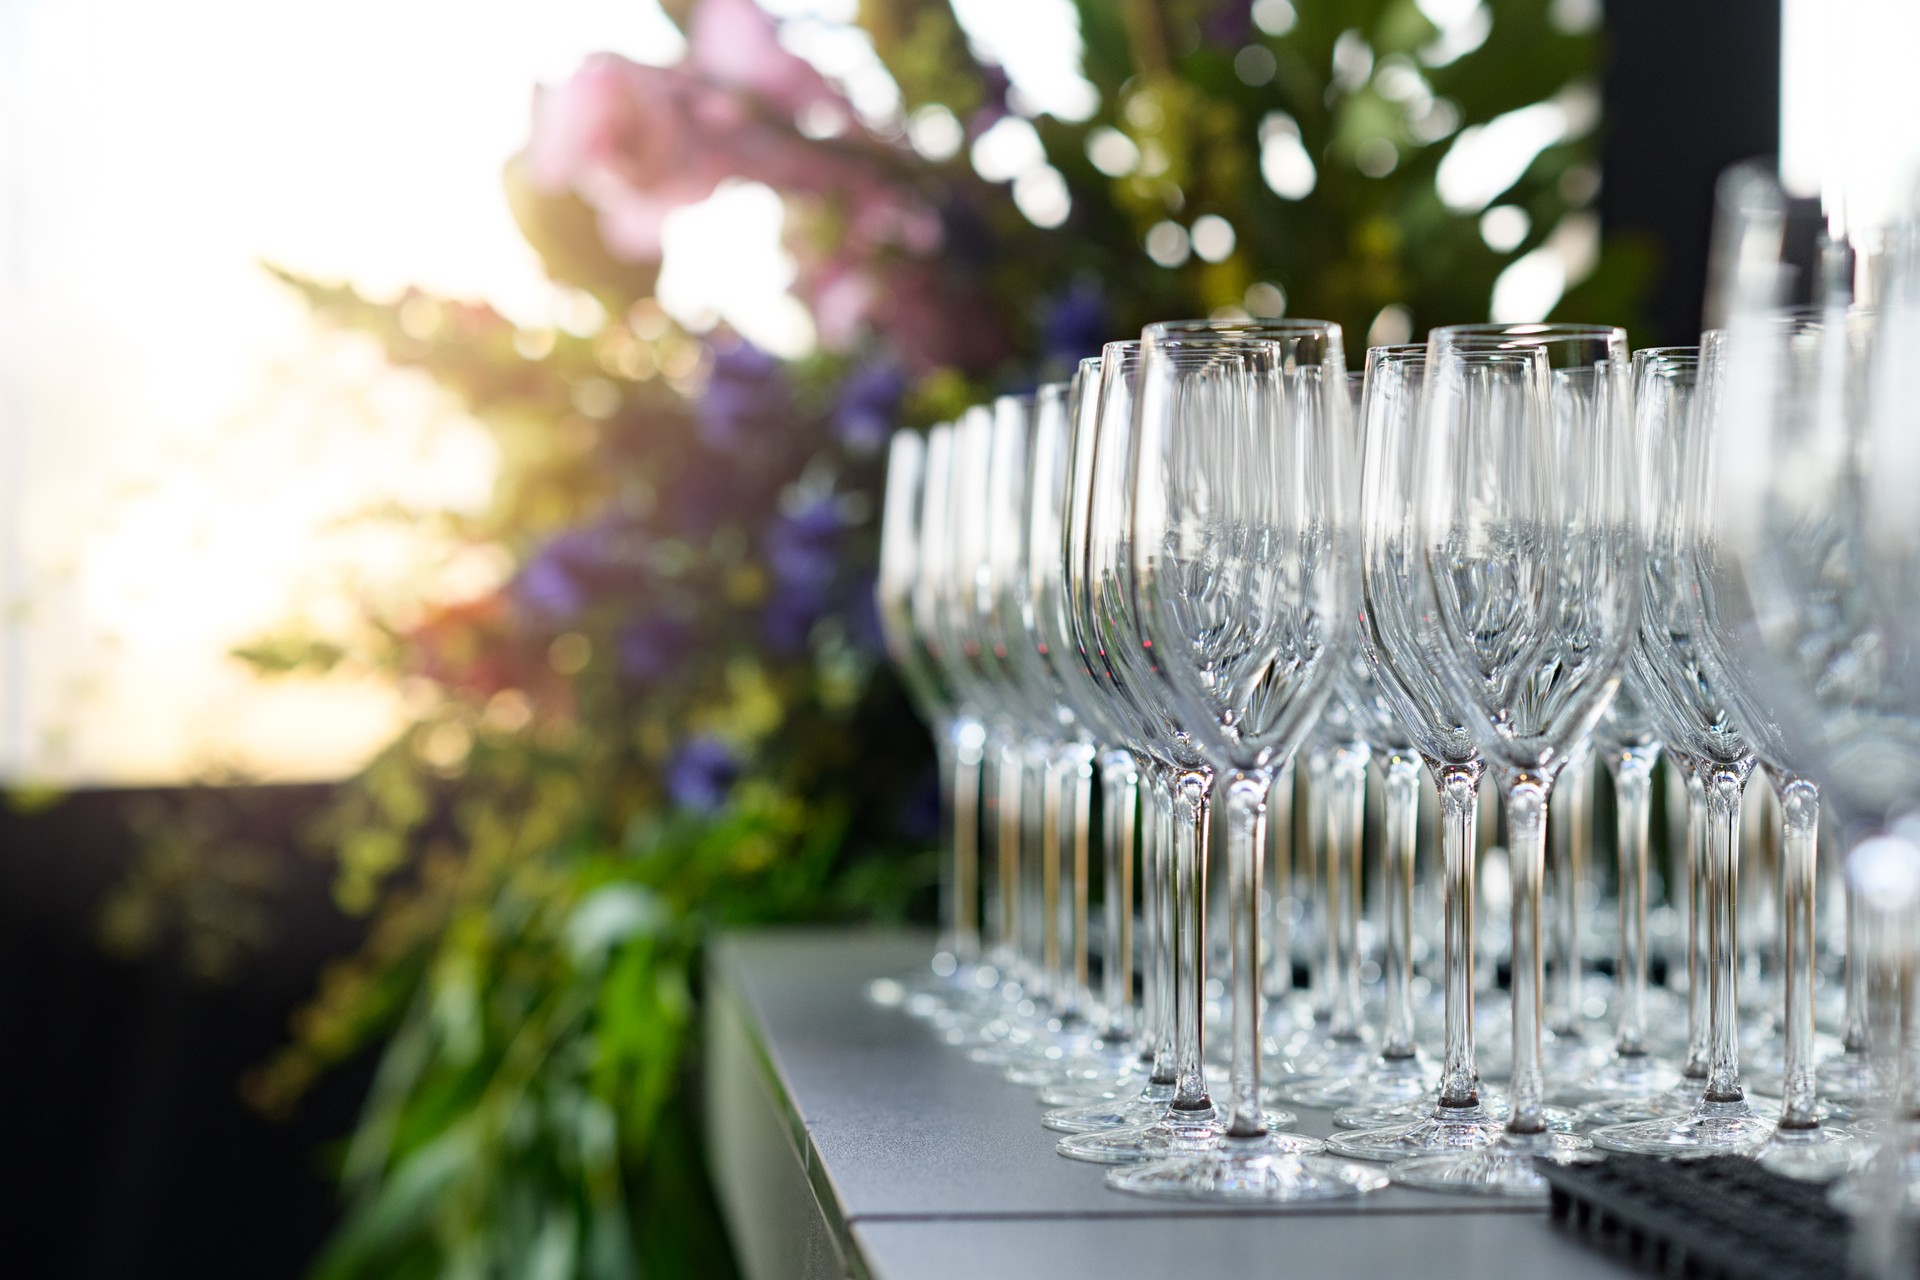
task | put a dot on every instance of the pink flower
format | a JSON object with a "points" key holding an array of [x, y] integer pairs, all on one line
{"points": [[633, 141], [637, 142], [735, 43], [843, 299]]}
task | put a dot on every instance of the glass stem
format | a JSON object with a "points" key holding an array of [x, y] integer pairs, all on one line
{"points": [[1527, 852], [1279, 936], [1004, 810], [1030, 846], [1853, 1028], [1320, 958], [946, 948], [1056, 854], [1571, 830], [1120, 800], [1191, 812], [968, 742], [1346, 818], [1799, 844], [1402, 836], [1723, 787], [1246, 802], [1459, 788], [1158, 853], [1077, 807], [1697, 1026], [1633, 791]]}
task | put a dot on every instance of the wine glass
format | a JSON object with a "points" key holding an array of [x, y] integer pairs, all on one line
{"points": [[1101, 585], [1397, 633], [1399, 1073], [1054, 674], [1057, 742], [1628, 741], [916, 465], [1528, 516], [1240, 557], [1697, 702]]}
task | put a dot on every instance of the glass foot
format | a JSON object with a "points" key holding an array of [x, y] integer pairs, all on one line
{"points": [[1847, 1081], [1259, 1170], [1119, 1086], [1067, 1063], [1819, 1154], [1390, 1081], [1505, 1168], [1442, 1129], [1176, 1133], [1681, 1098], [1710, 1128], [1316, 1056], [1143, 1108], [1618, 1078]]}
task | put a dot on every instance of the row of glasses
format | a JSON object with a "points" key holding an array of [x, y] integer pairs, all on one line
{"points": [[1198, 619]]}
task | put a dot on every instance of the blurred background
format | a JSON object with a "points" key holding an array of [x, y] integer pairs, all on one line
{"points": [[438, 454]]}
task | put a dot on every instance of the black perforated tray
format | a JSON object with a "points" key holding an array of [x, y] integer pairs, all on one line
{"points": [[1719, 1218]]}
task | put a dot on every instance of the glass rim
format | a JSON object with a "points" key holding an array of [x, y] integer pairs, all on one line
{"points": [[1196, 351], [1542, 329], [1565, 345], [1251, 327], [1674, 355]]}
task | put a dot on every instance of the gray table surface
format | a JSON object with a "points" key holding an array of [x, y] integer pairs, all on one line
{"points": [[930, 1166]]}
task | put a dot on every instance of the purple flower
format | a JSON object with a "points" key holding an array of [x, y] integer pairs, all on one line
{"points": [[1076, 324], [577, 569], [701, 773], [653, 646], [702, 496], [863, 618], [869, 407], [555, 580], [790, 614], [747, 396], [803, 548]]}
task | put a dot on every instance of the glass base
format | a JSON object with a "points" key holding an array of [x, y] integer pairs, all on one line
{"points": [[1619, 1078], [1710, 1128], [1312, 1057], [1120, 1086], [1560, 1119], [1257, 1170], [1070, 1061], [1846, 1081], [1505, 1169], [1390, 1081], [1442, 1129], [1143, 1108], [1176, 1133], [1819, 1154], [1683, 1097]]}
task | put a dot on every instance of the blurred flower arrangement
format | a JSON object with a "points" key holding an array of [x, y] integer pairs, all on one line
{"points": [[674, 715]]}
